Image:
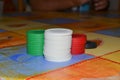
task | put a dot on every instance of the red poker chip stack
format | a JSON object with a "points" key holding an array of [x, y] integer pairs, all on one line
{"points": [[78, 44]]}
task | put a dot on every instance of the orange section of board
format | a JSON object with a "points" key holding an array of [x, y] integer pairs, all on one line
{"points": [[11, 39], [94, 68]]}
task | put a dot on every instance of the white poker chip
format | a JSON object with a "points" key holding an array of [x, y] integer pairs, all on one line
{"points": [[58, 32], [58, 44], [56, 52], [58, 59], [58, 37]]}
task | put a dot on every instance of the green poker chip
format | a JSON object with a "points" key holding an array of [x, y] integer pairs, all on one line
{"points": [[35, 42]]}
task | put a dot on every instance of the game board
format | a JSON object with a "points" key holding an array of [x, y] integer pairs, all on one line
{"points": [[103, 61]]}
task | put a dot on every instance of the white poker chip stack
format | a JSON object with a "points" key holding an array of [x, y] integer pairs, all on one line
{"points": [[57, 44]]}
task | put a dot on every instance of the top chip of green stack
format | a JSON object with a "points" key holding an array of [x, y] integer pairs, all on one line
{"points": [[34, 33]]}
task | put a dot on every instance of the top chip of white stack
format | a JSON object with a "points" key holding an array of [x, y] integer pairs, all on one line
{"points": [[58, 32]]}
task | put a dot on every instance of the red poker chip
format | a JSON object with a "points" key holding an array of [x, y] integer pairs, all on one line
{"points": [[79, 38], [75, 42], [78, 52], [78, 44], [77, 49]]}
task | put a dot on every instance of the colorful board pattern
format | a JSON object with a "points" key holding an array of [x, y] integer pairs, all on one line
{"points": [[101, 62]]}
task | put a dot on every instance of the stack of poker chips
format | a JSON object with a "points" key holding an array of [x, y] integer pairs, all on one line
{"points": [[78, 44], [57, 45], [35, 42]]}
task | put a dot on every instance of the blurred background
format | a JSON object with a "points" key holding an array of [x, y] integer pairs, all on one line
{"points": [[11, 6], [114, 5]]}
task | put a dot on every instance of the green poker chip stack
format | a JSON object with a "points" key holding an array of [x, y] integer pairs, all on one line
{"points": [[35, 42]]}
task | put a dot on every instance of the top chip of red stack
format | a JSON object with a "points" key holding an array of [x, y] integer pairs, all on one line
{"points": [[79, 38]]}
